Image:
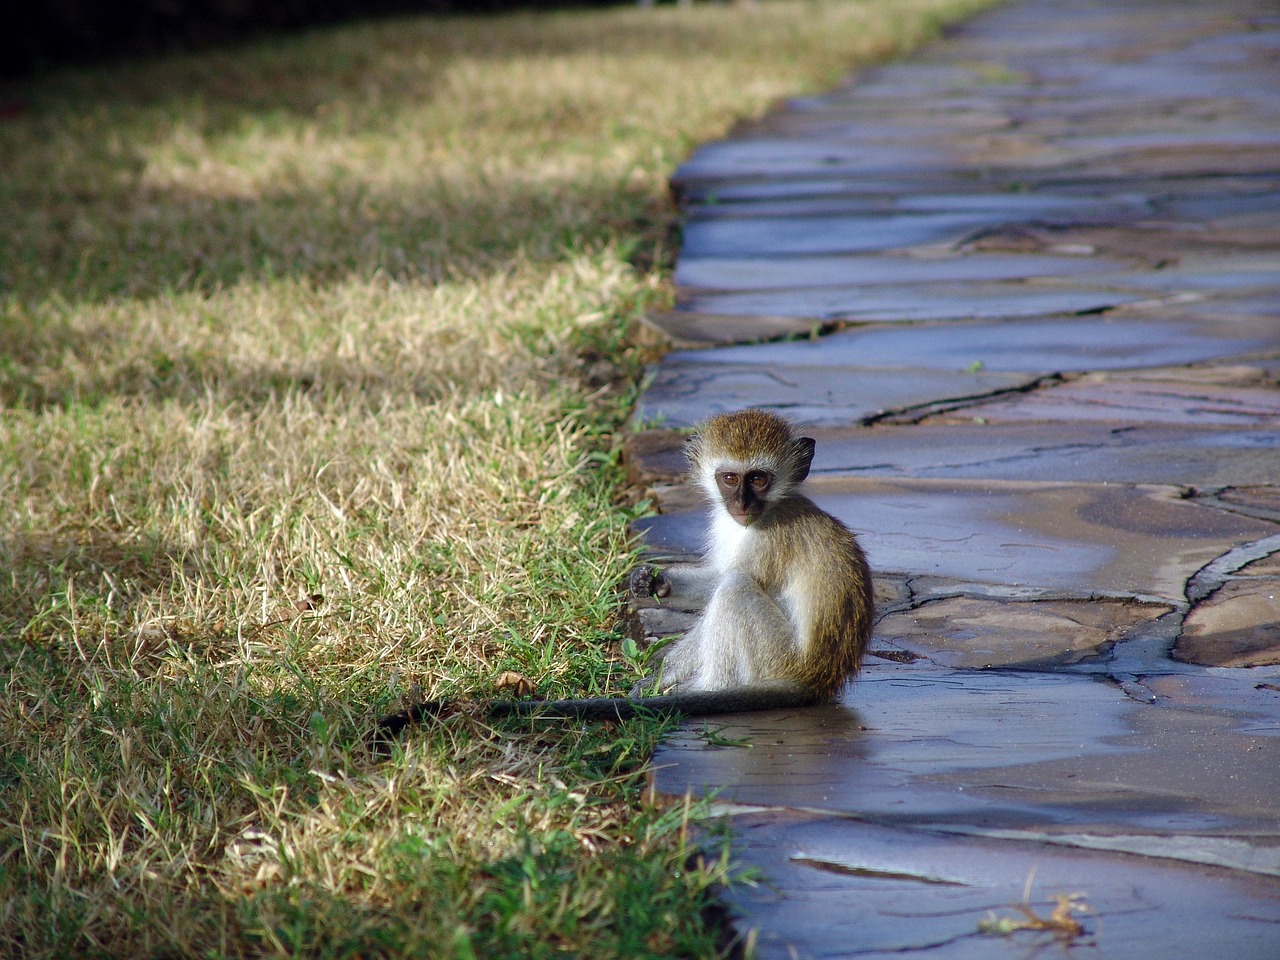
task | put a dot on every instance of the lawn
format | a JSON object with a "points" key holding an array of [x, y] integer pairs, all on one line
{"points": [[314, 354]]}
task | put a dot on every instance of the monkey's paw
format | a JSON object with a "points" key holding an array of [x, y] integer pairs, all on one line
{"points": [[642, 688], [648, 581]]}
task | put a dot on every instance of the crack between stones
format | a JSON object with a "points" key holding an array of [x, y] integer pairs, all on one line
{"points": [[915, 413], [1214, 574]]}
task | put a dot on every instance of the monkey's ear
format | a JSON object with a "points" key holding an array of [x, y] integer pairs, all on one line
{"points": [[803, 456], [693, 444]]}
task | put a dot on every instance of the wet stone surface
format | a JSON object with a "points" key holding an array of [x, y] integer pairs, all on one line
{"points": [[1025, 292], [845, 888], [970, 633], [682, 394], [922, 301], [1086, 452], [819, 272], [1037, 346], [1026, 538], [1057, 756], [1214, 396]]}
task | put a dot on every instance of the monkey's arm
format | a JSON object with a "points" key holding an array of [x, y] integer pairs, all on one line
{"points": [[695, 582], [771, 695]]}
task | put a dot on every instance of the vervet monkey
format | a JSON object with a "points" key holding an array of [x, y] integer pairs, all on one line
{"points": [[789, 605], [787, 588]]}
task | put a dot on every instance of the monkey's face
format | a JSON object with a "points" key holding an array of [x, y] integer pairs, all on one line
{"points": [[746, 494]]}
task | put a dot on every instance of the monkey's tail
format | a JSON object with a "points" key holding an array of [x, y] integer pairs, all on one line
{"points": [[765, 696], [778, 695]]}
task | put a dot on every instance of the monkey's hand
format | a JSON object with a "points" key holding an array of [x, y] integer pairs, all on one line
{"points": [[643, 688], [648, 581]]}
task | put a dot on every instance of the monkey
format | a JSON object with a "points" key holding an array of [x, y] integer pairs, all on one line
{"points": [[787, 587], [789, 604]]}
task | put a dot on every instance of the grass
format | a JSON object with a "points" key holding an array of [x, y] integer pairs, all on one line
{"points": [[313, 355]]}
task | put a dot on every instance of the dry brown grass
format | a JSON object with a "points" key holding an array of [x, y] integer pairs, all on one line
{"points": [[312, 355]]}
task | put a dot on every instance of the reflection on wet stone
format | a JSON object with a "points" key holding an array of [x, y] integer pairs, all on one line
{"points": [[1023, 286], [969, 633], [1076, 539], [844, 888]]}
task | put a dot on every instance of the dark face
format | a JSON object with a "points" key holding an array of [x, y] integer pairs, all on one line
{"points": [[745, 495]]}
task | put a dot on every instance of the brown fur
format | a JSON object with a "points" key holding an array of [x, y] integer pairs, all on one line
{"points": [[790, 593], [807, 544]]}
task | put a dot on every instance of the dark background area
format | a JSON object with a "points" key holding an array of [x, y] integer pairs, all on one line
{"points": [[39, 35]]}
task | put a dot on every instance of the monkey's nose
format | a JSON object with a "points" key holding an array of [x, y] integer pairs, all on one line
{"points": [[746, 511]]}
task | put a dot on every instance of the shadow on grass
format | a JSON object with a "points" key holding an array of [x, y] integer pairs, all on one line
{"points": [[140, 244], [88, 578], [88, 227], [84, 225], [51, 345]]}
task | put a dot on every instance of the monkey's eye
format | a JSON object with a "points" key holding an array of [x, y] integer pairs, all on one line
{"points": [[759, 480], [730, 479]]}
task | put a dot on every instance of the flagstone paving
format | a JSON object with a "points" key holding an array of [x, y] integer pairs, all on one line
{"points": [[1023, 287]]}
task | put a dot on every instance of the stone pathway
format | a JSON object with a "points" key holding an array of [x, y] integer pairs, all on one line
{"points": [[1024, 288]]}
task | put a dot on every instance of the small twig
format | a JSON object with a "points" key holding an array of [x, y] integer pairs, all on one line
{"points": [[1061, 922]]}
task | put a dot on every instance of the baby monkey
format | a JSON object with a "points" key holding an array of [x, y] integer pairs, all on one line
{"points": [[787, 588], [788, 596]]}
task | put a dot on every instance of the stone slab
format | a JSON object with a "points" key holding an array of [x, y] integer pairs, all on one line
{"points": [[1015, 752], [1248, 322], [839, 889], [1236, 146], [1168, 198], [920, 301], [781, 236], [766, 273], [1209, 154], [1259, 501], [1238, 625], [1029, 539], [1088, 451], [974, 633], [1252, 695], [1214, 396], [684, 391], [1245, 274], [1042, 206], [765, 186], [1160, 243], [787, 158], [1078, 344], [654, 456], [1261, 201]]}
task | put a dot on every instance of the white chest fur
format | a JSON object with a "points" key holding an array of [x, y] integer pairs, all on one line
{"points": [[729, 540]]}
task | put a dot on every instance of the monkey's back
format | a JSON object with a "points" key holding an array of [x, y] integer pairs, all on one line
{"points": [[821, 577]]}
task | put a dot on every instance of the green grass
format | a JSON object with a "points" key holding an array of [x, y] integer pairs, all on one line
{"points": [[313, 355]]}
